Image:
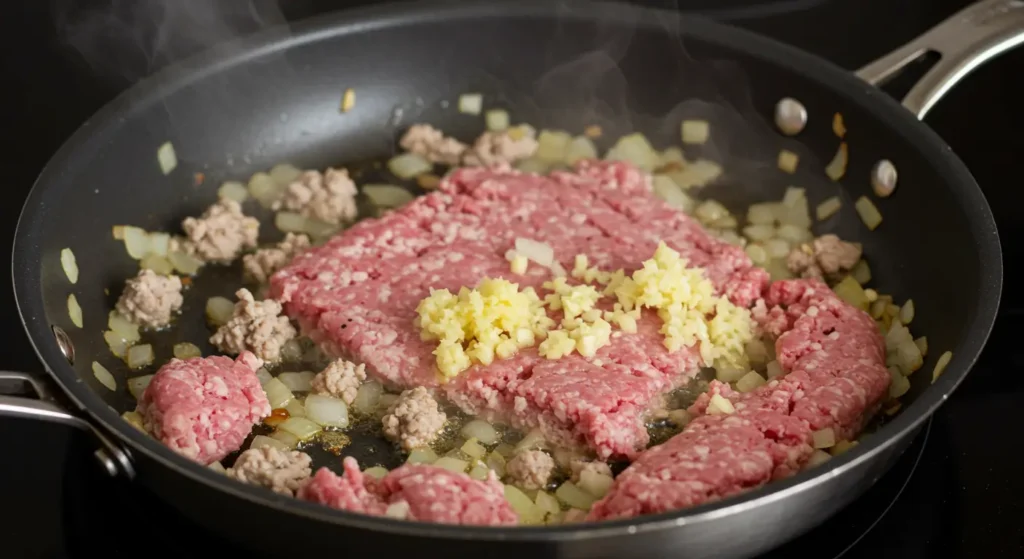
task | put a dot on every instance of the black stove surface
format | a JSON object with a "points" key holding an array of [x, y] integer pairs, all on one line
{"points": [[956, 492]]}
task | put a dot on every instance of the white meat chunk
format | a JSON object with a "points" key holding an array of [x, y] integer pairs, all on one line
{"points": [[414, 420], [279, 470], [150, 299], [507, 146], [340, 379], [827, 256], [530, 469], [595, 467], [329, 196], [256, 326], [220, 234], [432, 144], [260, 265]]}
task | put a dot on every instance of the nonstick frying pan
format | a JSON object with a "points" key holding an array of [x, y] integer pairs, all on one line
{"points": [[274, 98]]}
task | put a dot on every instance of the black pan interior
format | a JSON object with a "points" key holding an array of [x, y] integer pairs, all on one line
{"points": [[551, 67]]}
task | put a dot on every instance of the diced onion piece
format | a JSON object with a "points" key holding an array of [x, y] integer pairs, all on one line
{"points": [[818, 457], [729, 374], [68, 263], [573, 496], [290, 441], [759, 232], [580, 148], [298, 382], [261, 441], [386, 400], [289, 222], [291, 351], [922, 345], [788, 161], [263, 375], [421, 456], [387, 195], [908, 357], [828, 208], [295, 408], [527, 510], [533, 165], [774, 369], [900, 384], [474, 449], [136, 242], [695, 131], [762, 214], [757, 352], [710, 211], [103, 375], [681, 418], [327, 411], [497, 120], [117, 344], [777, 248], [74, 310], [184, 263], [376, 472], [452, 464], [841, 447], [140, 356], [777, 269], [277, 393], [941, 364], [634, 148], [595, 483], [367, 397], [534, 440], [219, 310], [157, 263], [850, 291], [861, 272], [285, 174], [794, 209], [471, 103], [118, 232], [672, 157], [758, 255], [167, 158], [408, 165], [233, 190], [137, 385], [505, 450], [750, 382], [837, 167], [547, 503], [824, 438], [540, 253], [301, 427], [186, 350], [793, 234], [718, 405], [348, 100], [496, 462], [553, 146], [667, 189], [482, 431], [695, 174], [135, 419], [869, 214], [264, 189], [896, 335], [907, 312], [838, 128]]}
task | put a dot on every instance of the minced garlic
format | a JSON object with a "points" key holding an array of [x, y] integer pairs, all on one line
{"points": [[519, 264]]}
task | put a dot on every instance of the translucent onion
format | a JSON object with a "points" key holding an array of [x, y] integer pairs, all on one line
{"points": [[757, 254], [495, 461], [533, 165], [547, 503], [575, 497], [167, 158], [289, 440], [479, 472], [777, 248], [759, 232], [184, 263], [284, 174], [140, 356], [922, 344], [899, 383], [480, 430], [534, 440], [861, 272], [298, 382], [385, 401], [695, 131], [277, 393], [595, 483], [159, 243], [421, 456], [261, 441], [263, 375], [497, 120], [295, 408], [387, 195], [219, 310], [824, 438], [408, 165], [580, 148], [290, 222], [941, 364], [264, 189], [553, 146], [348, 100], [301, 427], [69, 265], [788, 161], [719, 405], [907, 312], [729, 374], [540, 253], [667, 189], [233, 190], [818, 457], [117, 344], [774, 369], [710, 211], [529, 513], [136, 242], [74, 310], [837, 167], [157, 263], [137, 385], [506, 450], [750, 382], [367, 398], [634, 148], [452, 464], [868, 213], [828, 208], [327, 411], [376, 472], [134, 419], [473, 449], [850, 291], [103, 375]]}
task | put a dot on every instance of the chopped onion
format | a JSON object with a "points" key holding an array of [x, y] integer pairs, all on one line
{"points": [[497, 120], [348, 100], [387, 195], [695, 131], [941, 364], [285, 174], [159, 243], [376, 472], [295, 408], [759, 232], [290, 441], [841, 447], [729, 374], [534, 440], [496, 462], [134, 418], [838, 128], [681, 418], [277, 393], [506, 449], [828, 208], [471, 103], [528, 512], [540, 253], [480, 430], [219, 310], [367, 397], [595, 483], [117, 344], [908, 357], [301, 427], [750, 382], [896, 335], [837, 167], [452, 464], [327, 411], [774, 369], [718, 405], [580, 148], [474, 449], [850, 291], [869, 214], [263, 375], [184, 263], [573, 496], [288, 222], [167, 158], [672, 157], [794, 209], [861, 272], [421, 456], [103, 375], [186, 350], [824, 438], [386, 400], [140, 356], [777, 248], [788, 161], [264, 189], [298, 382], [762, 214], [533, 165], [922, 345], [818, 457], [547, 503], [777, 269], [137, 385], [552, 146], [233, 190], [667, 189], [408, 165], [710, 211], [261, 441], [907, 312], [157, 263], [696, 174], [899, 385], [118, 232], [795, 235], [291, 350], [320, 229], [136, 242], [68, 263], [634, 148], [74, 310]]}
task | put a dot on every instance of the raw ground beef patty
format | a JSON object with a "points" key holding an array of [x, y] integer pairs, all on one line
{"points": [[357, 295], [834, 357], [413, 492]]}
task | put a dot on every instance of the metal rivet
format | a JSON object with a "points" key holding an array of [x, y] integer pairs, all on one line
{"points": [[64, 343], [790, 116], [106, 462], [883, 178]]}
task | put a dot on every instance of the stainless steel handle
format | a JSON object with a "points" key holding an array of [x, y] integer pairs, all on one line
{"points": [[43, 407], [968, 39]]}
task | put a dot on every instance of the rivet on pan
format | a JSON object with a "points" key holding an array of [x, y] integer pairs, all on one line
{"points": [[106, 462], [64, 343], [883, 178], [790, 116]]}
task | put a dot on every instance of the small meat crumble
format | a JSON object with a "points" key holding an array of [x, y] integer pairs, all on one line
{"points": [[530, 469], [340, 379], [431, 143], [150, 299], [260, 265], [508, 146], [827, 256], [414, 420], [256, 326], [580, 466], [329, 197], [220, 234], [281, 471]]}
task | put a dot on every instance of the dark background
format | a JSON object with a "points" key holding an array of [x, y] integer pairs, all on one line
{"points": [[60, 64]]}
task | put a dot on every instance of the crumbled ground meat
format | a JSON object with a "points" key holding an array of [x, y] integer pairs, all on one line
{"points": [[221, 233], [282, 471], [501, 147], [414, 419], [255, 326], [431, 143], [828, 255], [329, 197], [580, 466], [259, 265], [530, 469], [150, 299], [340, 379]]}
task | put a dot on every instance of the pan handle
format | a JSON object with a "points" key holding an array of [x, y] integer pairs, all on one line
{"points": [[966, 40], [44, 407]]}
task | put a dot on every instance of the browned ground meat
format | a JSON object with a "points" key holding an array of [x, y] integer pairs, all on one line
{"points": [[828, 255], [530, 469], [259, 265], [255, 326], [414, 420], [329, 197], [507, 146], [580, 466], [150, 299], [282, 471], [431, 143], [340, 379], [221, 233]]}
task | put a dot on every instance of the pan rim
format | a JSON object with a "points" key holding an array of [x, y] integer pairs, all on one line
{"points": [[29, 298]]}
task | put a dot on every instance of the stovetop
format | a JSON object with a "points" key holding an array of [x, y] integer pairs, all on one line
{"points": [[956, 492]]}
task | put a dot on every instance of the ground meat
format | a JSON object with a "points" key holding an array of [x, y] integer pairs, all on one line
{"points": [[493, 148], [530, 469], [580, 466], [340, 379], [150, 299], [283, 471], [827, 256], [221, 233], [414, 420], [431, 143], [259, 265], [204, 408], [329, 197], [254, 326], [413, 492]]}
